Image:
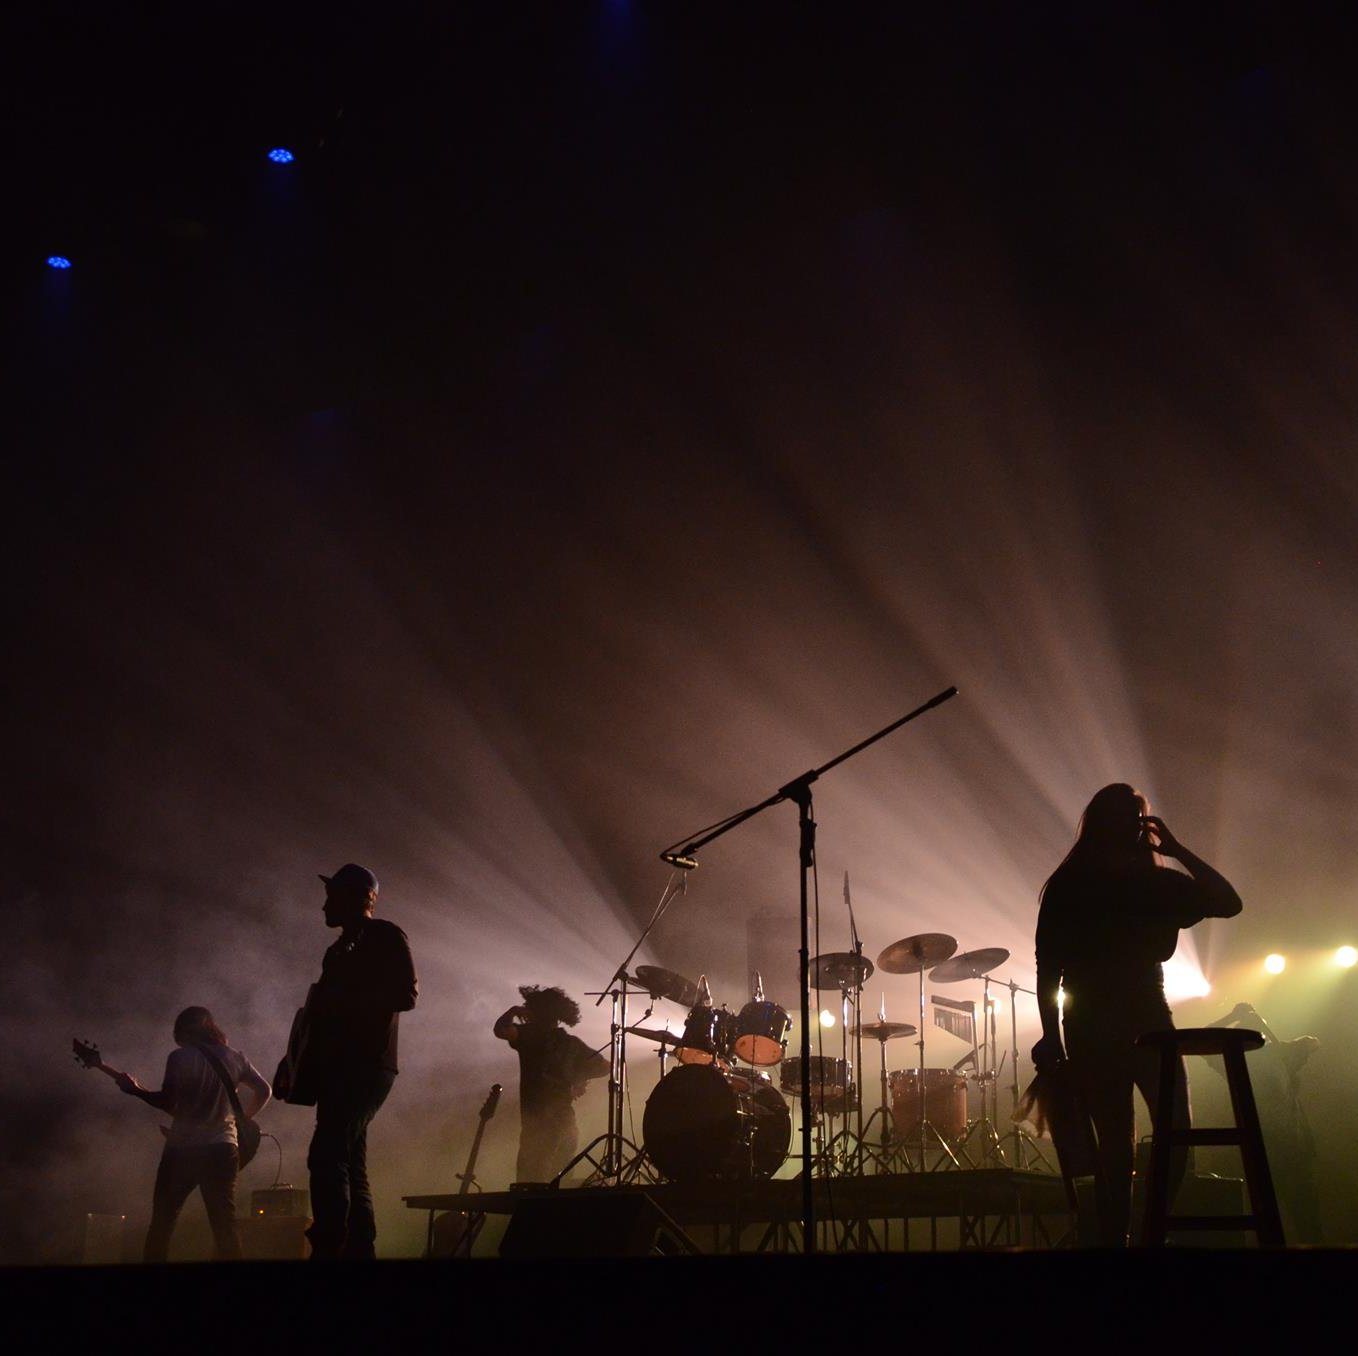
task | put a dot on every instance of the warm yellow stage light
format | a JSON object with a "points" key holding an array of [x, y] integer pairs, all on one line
{"points": [[1275, 964], [827, 1018], [1346, 956]]}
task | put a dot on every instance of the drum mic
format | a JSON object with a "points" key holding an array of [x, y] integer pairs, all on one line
{"points": [[678, 859]]}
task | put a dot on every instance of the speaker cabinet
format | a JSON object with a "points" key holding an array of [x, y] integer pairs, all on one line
{"points": [[613, 1223]]}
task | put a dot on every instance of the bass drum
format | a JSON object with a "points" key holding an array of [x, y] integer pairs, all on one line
{"points": [[704, 1123]]}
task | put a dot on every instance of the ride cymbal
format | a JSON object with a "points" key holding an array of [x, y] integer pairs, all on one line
{"points": [[839, 970], [969, 965], [661, 983], [912, 954]]}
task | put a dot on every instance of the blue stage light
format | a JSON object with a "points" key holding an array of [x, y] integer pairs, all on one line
{"points": [[280, 156], [58, 261]]}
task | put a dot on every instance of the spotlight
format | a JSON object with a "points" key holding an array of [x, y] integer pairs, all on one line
{"points": [[1275, 964], [281, 156], [58, 261], [1346, 956], [827, 1018]]}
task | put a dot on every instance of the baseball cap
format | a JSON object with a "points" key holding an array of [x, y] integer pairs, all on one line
{"points": [[351, 876]]}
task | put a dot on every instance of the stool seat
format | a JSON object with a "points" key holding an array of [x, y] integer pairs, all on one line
{"points": [[1231, 1043], [1203, 1040]]}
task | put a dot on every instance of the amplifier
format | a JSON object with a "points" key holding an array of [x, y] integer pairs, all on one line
{"points": [[280, 1202]]}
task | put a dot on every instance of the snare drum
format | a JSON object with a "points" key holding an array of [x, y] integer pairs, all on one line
{"points": [[945, 1102], [832, 1086], [702, 1122], [708, 1037], [761, 1032]]}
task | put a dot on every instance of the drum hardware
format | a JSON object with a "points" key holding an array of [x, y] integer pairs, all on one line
{"points": [[621, 1161], [882, 1031], [972, 965], [683, 855], [847, 971], [1025, 1151], [915, 955], [667, 984]]}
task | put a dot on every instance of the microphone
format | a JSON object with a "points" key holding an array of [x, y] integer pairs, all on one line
{"points": [[678, 859]]}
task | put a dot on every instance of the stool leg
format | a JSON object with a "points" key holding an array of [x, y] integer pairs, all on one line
{"points": [[1258, 1179], [1155, 1223]]}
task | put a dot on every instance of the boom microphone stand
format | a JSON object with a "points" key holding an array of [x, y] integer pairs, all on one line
{"points": [[613, 1168], [799, 792]]}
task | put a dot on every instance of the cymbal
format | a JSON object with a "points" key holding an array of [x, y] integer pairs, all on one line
{"points": [[969, 965], [839, 969], [885, 1031], [660, 1037], [912, 954], [660, 983]]}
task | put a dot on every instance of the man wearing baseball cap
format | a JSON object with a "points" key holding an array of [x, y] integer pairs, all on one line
{"points": [[344, 1058]]}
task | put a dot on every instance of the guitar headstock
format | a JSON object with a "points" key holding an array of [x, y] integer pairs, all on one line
{"points": [[488, 1110], [86, 1054]]}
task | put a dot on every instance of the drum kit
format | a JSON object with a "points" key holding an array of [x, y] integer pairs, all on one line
{"points": [[718, 1114]]}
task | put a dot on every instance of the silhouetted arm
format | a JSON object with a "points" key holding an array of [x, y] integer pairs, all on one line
{"points": [[162, 1099], [258, 1090], [1219, 898], [506, 1026]]}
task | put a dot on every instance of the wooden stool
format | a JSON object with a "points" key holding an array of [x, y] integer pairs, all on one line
{"points": [[1230, 1043]]}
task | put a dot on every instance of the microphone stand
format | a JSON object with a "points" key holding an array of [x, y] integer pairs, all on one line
{"points": [[799, 792], [613, 1169]]}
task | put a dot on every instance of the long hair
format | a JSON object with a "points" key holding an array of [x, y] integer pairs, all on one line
{"points": [[1109, 824], [550, 1005], [197, 1026]]}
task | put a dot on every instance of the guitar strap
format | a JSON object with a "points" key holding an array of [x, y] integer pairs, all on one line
{"points": [[245, 1153]]}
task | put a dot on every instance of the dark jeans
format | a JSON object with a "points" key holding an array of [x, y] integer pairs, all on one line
{"points": [[1107, 1065], [341, 1202], [212, 1169]]}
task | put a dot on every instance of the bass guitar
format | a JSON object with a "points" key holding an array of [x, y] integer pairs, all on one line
{"points": [[247, 1131]]}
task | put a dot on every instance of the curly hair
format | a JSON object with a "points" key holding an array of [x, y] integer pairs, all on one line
{"points": [[197, 1025], [550, 1005]]}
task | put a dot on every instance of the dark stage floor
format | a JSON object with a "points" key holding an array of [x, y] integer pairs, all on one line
{"points": [[950, 1301]]}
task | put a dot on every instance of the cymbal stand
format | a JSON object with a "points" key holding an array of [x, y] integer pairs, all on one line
{"points": [[882, 1154], [926, 1127], [621, 1160], [849, 1160], [1025, 1151], [987, 1076]]}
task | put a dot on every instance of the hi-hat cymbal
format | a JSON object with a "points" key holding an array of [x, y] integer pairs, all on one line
{"points": [[660, 983], [969, 965], [660, 1037], [913, 954], [885, 1031], [839, 970]]}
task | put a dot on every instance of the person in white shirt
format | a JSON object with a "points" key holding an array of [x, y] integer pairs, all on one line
{"points": [[200, 1144]]}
